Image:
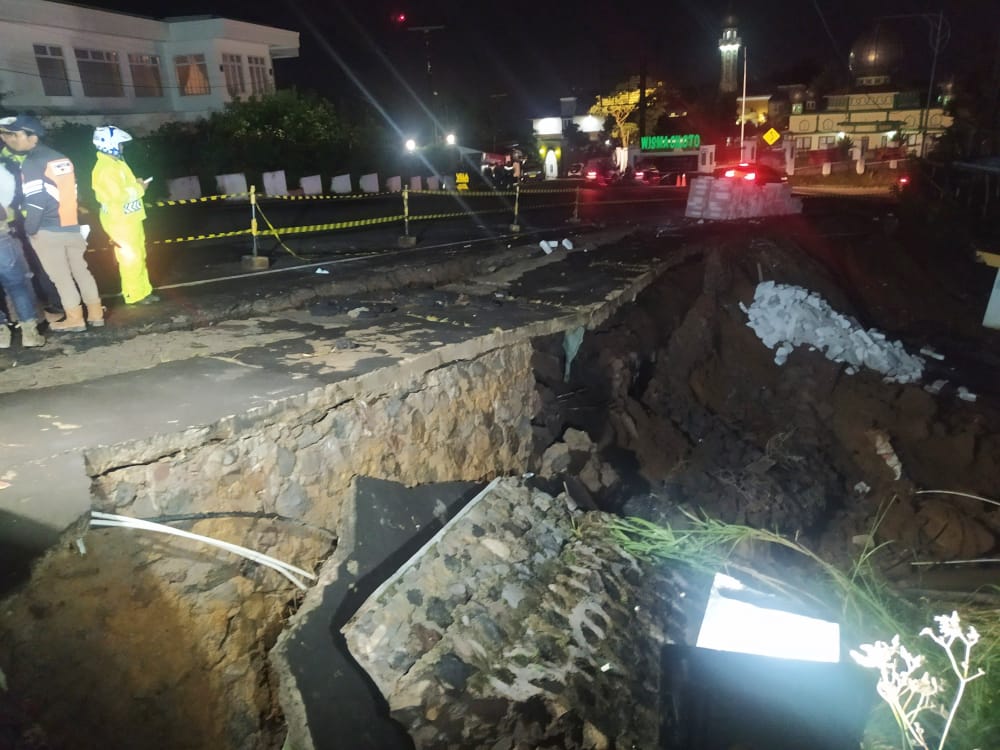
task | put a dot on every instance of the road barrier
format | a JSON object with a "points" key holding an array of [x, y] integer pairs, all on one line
{"points": [[511, 201]]}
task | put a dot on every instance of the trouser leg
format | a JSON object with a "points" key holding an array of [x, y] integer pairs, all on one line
{"points": [[51, 251], [14, 277], [130, 250], [45, 290], [76, 247]]}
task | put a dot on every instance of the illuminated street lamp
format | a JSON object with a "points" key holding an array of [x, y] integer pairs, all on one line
{"points": [[411, 145], [450, 139]]}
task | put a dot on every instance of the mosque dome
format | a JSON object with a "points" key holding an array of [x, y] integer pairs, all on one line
{"points": [[877, 53]]}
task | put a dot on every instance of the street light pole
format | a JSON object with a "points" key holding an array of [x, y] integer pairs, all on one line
{"points": [[743, 108]]}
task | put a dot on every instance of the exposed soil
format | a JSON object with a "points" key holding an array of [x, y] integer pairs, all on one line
{"points": [[686, 394], [692, 409]]}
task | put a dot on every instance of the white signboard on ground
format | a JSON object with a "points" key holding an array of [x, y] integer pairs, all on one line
{"points": [[311, 185], [341, 184], [231, 184], [992, 317], [369, 183], [433, 183], [393, 184], [416, 183], [184, 188], [275, 183]]}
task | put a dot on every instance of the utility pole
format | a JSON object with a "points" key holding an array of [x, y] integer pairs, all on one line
{"points": [[936, 46], [431, 91], [938, 39]]}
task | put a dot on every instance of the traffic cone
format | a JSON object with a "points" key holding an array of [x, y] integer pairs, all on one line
{"points": [[684, 179]]}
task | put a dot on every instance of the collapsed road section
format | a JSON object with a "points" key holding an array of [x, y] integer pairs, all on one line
{"points": [[626, 378]]}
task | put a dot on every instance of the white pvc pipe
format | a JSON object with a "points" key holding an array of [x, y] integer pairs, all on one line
{"points": [[109, 519]]}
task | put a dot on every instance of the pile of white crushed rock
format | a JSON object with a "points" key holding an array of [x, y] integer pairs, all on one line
{"points": [[785, 316]]}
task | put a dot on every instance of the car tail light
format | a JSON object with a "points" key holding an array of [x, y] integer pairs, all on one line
{"points": [[639, 175], [592, 174], [750, 176], [904, 180], [730, 173]]}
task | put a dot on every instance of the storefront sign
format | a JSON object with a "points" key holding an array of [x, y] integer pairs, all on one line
{"points": [[667, 142]]}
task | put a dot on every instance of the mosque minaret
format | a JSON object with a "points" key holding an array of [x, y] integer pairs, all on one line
{"points": [[729, 48]]}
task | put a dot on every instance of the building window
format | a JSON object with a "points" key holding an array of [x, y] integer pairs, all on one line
{"points": [[99, 72], [52, 70], [810, 106], [232, 69], [192, 75], [827, 141], [146, 74], [803, 142], [260, 83]]}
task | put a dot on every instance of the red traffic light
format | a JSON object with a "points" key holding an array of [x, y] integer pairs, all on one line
{"points": [[399, 17]]}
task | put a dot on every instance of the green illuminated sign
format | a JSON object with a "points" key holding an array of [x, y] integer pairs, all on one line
{"points": [[665, 142]]}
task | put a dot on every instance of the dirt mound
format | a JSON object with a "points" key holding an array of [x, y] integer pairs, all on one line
{"points": [[680, 384]]}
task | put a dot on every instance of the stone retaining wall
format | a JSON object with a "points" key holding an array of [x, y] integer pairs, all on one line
{"points": [[204, 619]]}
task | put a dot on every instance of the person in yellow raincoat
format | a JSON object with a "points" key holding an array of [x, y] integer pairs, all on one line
{"points": [[120, 194]]}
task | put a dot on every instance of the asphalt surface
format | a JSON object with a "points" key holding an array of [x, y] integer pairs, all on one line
{"points": [[210, 352]]}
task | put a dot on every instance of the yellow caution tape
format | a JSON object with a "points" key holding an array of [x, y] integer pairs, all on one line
{"points": [[340, 196], [195, 237], [207, 198], [339, 225]]}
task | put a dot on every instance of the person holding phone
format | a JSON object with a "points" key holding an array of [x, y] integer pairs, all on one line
{"points": [[122, 212]]}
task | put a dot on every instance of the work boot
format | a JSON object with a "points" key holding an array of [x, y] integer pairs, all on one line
{"points": [[29, 334], [95, 314], [4, 336], [74, 321]]}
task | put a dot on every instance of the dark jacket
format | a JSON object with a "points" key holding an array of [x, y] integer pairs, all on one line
{"points": [[49, 186]]}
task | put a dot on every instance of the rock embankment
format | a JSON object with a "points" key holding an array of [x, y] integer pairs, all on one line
{"points": [[523, 624]]}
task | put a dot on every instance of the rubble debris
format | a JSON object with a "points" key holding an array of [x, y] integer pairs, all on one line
{"points": [[965, 394], [785, 316], [886, 452]]}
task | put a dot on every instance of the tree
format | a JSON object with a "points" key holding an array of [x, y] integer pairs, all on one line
{"points": [[621, 104]]}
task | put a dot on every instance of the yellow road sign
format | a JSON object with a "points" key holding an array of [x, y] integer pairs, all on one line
{"points": [[771, 137]]}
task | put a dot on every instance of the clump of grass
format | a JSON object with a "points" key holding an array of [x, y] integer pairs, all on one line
{"points": [[868, 607]]}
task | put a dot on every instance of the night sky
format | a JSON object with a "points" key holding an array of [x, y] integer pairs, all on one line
{"points": [[520, 56]]}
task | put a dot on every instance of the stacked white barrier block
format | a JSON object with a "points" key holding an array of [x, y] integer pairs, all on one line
{"points": [[394, 184], [725, 199], [231, 184], [341, 184], [369, 183], [721, 197], [433, 183], [184, 188], [416, 183], [275, 183], [698, 197], [311, 185]]}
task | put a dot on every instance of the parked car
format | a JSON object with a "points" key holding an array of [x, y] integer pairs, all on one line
{"points": [[601, 172], [757, 173], [531, 171], [648, 174], [575, 170]]}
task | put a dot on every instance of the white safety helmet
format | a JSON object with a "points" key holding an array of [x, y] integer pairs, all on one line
{"points": [[109, 139]]}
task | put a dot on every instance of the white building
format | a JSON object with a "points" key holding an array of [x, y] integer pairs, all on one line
{"points": [[871, 120], [78, 64]]}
